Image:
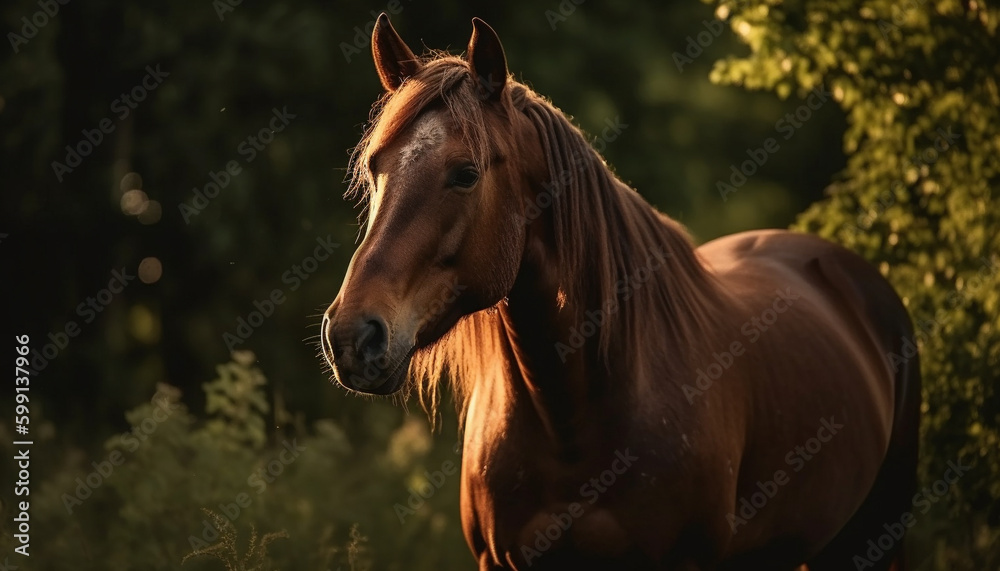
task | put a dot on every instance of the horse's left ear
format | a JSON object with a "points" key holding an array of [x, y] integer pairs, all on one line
{"points": [[485, 56]]}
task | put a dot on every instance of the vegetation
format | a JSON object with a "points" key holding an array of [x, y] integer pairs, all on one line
{"points": [[306, 498]]}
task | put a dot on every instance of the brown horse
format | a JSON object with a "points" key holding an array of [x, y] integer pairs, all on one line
{"points": [[629, 401]]}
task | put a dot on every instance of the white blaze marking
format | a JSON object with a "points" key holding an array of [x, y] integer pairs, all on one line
{"points": [[428, 133]]}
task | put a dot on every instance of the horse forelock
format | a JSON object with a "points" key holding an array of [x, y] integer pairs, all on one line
{"points": [[444, 81]]}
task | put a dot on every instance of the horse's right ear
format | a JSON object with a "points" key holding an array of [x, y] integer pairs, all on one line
{"points": [[394, 61]]}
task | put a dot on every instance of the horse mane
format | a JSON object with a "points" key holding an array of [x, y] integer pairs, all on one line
{"points": [[604, 232]]}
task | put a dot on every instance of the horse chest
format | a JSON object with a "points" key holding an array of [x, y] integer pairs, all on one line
{"points": [[527, 514], [523, 502]]}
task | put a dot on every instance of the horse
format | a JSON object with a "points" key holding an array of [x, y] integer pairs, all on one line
{"points": [[627, 400]]}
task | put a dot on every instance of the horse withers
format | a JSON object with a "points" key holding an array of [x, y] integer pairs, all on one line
{"points": [[628, 401]]}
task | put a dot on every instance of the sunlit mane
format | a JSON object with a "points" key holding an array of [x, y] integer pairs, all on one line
{"points": [[604, 233]]}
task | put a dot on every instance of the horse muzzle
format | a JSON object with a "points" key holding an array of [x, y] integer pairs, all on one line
{"points": [[363, 352]]}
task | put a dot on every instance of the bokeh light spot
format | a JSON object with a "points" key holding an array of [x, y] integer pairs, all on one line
{"points": [[143, 324], [134, 202], [150, 270]]}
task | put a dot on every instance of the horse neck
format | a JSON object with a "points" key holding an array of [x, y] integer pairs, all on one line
{"points": [[592, 233], [553, 390], [570, 385]]}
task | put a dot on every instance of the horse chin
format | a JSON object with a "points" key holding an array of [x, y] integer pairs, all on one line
{"points": [[393, 383], [383, 379]]}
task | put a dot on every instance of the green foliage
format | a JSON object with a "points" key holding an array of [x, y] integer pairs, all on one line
{"points": [[238, 401], [227, 549], [919, 82], [185, 488]]}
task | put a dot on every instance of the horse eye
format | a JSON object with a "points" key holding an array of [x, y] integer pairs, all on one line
{"points": [[465, 177]]}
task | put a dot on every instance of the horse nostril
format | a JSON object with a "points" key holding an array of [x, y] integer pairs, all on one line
{"points": [[326, 339], [373, 340]]}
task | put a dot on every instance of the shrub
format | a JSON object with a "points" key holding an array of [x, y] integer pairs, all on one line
{"points": [[175, 487]]}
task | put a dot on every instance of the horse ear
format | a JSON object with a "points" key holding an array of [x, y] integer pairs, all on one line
{"points": [[485, 56], [393, 59]]}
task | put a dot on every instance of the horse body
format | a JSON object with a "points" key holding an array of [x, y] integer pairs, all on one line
{"points": [[692, 463], [628, 401]]}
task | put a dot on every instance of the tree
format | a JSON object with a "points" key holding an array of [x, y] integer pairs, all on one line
{"points": [[918, 82]]}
